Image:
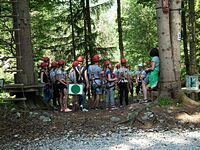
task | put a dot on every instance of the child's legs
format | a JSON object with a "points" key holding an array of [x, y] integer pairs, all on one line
{"points": [[65, 96], [144, 89], [107, 97], [121, 91], [112, 97], [126, 92]]}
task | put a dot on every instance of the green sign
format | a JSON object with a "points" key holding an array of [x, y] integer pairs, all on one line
{"points": [[75, 89]]}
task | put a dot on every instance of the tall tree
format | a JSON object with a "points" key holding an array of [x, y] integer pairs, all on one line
{"points": [[185, 37], [72, 26], [23, 43], [169, 26], [167, 76], [119, 21], [89, 28], [192, 37]]}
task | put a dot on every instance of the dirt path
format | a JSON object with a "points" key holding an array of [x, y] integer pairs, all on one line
{"points": [[29, 127]]}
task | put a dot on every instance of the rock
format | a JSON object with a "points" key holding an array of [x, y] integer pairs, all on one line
{"points": [[147, 115], [33, 114], [115, 119], [161, 121], [192, 126], [18, 115], [123, 128], [16, 135], [13, 110], [45, 119]]}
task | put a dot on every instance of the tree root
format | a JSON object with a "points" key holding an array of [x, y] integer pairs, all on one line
{"points": [[186, 100]]}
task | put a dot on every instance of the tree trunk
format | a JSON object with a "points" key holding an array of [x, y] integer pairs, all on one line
{"points": [[89, 33], [175, 34], [121, 47], [167, 75], [185, 38], [73, 53], [24, 52], [192, 67], [169, 27]]}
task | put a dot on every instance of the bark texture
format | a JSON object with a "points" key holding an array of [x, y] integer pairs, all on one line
{"points": [[119, 21], [24, 52], [167, 76], [192, 67]]}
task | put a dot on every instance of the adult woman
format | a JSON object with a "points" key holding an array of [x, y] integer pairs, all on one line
{"points": [[152, 80]]}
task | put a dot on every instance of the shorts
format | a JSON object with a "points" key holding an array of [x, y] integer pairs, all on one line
{"points": [[96, 89], [61, 86]]}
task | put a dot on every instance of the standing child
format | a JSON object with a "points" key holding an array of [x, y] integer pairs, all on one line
{"points": [[124, 82], [44, 78], [82, 78], [55, 92], [94, 72], [140, 75], [61, 83], [110, 85]]}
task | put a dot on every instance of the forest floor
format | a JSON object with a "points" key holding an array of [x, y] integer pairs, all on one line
{"points": [[22, 127]]}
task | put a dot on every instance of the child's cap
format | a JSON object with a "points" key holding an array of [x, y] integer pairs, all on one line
{"points": [[140, 65]]}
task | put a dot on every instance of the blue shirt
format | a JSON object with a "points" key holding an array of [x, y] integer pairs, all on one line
{"points": [[94, 72]]}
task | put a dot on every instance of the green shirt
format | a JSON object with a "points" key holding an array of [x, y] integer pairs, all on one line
{"points": [[156, 60]]}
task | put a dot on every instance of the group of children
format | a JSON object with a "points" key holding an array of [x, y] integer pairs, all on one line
{"points": [[97, 79]]}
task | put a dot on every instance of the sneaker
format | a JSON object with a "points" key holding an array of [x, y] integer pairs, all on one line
{"points": [[84, 110], [107, 108], [55, 108], [61, 110], [146, 100], [67, 110], [81, 107], [113, 108]]}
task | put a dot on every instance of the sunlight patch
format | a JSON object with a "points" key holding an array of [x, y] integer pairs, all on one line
{"points": [[186, 118]]}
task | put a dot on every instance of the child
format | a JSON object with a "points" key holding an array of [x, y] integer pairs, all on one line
{"points": [[110, 85], [44, 78], [61, 84], [140, 75]]}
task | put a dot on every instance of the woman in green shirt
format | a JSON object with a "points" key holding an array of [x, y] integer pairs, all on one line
{"points": [[152, 79]]}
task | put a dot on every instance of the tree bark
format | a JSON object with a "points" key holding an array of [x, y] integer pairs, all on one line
{"points": [[185, 38], [73, 53], [24, 52], [192, 67], [167, 75], [89, 33], [175, 34], [121, 47]]}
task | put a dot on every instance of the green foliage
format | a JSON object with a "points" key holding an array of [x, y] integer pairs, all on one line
{"points": [[139, 31], [163, 102]]}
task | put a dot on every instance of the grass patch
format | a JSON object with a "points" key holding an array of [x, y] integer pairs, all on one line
{"points": [[166, 102]]}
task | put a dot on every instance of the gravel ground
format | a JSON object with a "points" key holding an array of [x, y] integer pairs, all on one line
{"points": [[125, 140]]}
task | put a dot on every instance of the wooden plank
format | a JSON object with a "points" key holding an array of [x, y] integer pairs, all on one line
{"points": [[13, 70], [9, 1], [13, 86], [10, 30], [8, 16], [15, 99], [187, 90]]}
